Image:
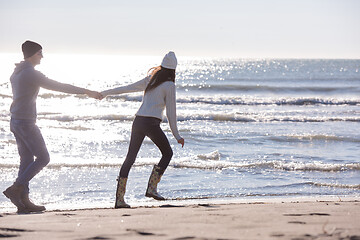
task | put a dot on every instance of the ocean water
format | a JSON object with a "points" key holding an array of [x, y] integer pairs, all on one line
{"points": [[258, 128]]}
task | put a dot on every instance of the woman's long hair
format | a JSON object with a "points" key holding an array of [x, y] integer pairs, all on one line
{"points": [[159, 75]]}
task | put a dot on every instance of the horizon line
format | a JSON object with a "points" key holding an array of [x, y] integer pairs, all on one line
{"points": [[187, 56]]}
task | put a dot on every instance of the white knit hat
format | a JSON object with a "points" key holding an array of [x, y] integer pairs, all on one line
{"points": [[169, 61]]}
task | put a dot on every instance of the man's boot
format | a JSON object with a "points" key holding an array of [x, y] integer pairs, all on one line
{"points": [[14, 193], [31, 207], [154, 179], [120, 192]]}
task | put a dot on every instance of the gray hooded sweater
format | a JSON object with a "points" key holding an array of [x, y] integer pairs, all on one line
{"points": [[26, 83]]}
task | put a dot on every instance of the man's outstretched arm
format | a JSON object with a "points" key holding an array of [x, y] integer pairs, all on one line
{"points": [[53, 85]]}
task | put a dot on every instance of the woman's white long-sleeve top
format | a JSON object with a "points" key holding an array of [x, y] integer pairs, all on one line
{"points": [[154, 101]]}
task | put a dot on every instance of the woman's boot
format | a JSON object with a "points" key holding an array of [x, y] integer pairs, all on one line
{"points": [[153, 182], [31, 207], [120, 192]]}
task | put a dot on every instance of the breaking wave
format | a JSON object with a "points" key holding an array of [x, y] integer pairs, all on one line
{"points": [[212, 161], [271, 89], [336, 185], [233, 100], [221, 117], [298, 138], [224, 100]]}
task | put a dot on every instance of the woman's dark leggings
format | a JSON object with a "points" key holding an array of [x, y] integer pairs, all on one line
{"points": [[150, 127]]}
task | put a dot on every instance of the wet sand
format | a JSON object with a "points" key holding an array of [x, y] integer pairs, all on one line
{"points": [[274, 219]]}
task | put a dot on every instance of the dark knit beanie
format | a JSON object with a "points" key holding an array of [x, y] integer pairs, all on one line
{"points": [[29, 48]]}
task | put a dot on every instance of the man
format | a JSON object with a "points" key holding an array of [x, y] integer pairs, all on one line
{"points": [[26, 82]]}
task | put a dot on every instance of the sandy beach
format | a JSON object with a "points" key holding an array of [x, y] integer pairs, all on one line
{"points": [[334, 218]]}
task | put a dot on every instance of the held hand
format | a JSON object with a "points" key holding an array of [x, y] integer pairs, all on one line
{"points": [[102, 96], [103, 93], [182, 142], [94, 94]]}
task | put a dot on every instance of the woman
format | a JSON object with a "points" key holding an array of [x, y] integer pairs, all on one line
{"points": [[159, 87]]}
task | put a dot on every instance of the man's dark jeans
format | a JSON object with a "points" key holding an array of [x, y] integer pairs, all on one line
{"points": [[30, 143]]}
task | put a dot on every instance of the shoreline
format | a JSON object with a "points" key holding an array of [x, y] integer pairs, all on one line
{"points": [[295, 218], [195, 201]]}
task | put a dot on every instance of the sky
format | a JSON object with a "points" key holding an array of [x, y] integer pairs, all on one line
{"points": [[203, 28]]}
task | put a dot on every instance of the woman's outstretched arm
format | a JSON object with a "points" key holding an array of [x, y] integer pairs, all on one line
{"points": [[134, 87]]}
